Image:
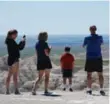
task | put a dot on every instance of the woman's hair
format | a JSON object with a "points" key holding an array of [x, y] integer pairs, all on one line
{"points": [[43, 36], [10, 33]]}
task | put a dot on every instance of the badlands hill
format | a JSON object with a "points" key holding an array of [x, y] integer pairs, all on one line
{"points": [[28, 73]]}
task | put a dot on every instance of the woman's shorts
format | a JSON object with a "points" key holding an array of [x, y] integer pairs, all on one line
{"points": [[12, 60], [94, 65], [44, 64], [67, 73]]}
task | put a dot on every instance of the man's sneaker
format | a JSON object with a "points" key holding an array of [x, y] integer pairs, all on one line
{"points": [[102, 93], [71, 89], [7, 92], [17, 92], [64, 89], [89, 92]]}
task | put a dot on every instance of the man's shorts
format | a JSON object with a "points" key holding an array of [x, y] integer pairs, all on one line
{"points": [[94, 65]]}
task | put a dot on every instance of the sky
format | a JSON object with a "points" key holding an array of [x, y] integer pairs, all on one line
{"points": [[58, 17]]}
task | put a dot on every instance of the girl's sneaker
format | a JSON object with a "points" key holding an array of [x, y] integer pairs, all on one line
{"points": [[34, 93], [7, 92], [17, 92], [64, 89], [102, 93], [71, 90], [47, 93]]}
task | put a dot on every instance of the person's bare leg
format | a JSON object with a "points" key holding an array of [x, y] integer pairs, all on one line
{"points": [[15, 80], [70, 84], [41, 73], [101, 82], [70, 81], [47, 76], [64, 83], [101, 79], [89, 80], [15, 75], [8, 81]]}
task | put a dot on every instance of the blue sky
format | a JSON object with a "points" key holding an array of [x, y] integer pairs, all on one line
{"points": [[54, 17]]}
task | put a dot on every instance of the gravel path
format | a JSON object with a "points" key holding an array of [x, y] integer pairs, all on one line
{"points": [[77, 97]]}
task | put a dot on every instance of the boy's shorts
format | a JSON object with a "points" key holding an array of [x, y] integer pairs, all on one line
{"points": [[67, 73]]}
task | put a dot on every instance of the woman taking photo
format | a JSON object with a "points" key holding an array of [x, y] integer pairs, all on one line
{"points": [[13, 58], [43, 62]]}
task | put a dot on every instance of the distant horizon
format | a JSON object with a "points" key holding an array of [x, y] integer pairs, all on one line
{"points": [[31, 35]]}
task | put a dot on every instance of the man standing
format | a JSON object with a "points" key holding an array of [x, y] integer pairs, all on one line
{"points": [[94, 62]]}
